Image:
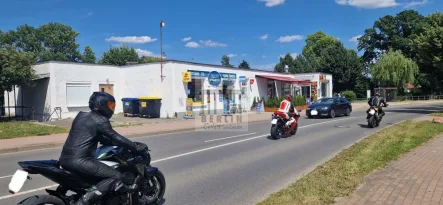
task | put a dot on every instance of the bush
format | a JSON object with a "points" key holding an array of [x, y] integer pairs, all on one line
{"points": [[299, 100], [350, 95]]}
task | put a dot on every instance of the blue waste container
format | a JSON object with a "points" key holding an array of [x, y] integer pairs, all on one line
{"points": [[131, 106]]}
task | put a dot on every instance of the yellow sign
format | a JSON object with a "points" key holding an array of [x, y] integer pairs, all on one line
{"points": [[143, 104], [189, 103], [186, 77]]}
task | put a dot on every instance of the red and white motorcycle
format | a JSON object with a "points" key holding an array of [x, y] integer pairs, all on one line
{"points": [[278, 125]]}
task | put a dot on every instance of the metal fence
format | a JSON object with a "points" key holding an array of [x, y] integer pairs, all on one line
{"points": [[428, 97]]}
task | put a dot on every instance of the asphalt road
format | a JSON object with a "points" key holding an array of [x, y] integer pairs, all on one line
{"points": [[230, 167]]}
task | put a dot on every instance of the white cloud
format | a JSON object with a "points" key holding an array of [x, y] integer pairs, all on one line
{"points": [[287, 39], [192, 45], [355, 39], [375, 4], [231, 55], [294, 55], [264, 37], [186, 39], [131, 39], [271, 3], [416, 3], [142, 52], [209, 43]]}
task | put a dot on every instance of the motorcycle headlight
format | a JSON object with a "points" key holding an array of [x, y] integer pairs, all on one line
{"points": [[371, 112]]}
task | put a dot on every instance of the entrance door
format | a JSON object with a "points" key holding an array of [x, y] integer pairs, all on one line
{"points": [[108, 88]]}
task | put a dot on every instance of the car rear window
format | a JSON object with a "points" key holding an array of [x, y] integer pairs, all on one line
{"points": [[344, 100]]}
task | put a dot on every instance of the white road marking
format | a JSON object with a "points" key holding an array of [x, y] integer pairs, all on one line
{"points": [[27, 192], [6, 176], [176, 156], [231, 137]]}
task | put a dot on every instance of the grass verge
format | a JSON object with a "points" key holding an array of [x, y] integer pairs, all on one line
{"points": [[437, 114], [10, 130], [341, 175]]}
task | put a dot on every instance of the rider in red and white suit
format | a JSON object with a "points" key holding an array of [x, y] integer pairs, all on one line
{"points": [[287, 108]]}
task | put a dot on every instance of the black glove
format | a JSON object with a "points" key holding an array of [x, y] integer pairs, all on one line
{"points": [[140, 147]]}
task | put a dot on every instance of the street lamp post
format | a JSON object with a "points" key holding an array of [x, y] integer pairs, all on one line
{"points": [[287, 68], [162, 24]]}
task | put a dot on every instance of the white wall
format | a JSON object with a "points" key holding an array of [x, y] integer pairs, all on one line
{"points": [[63, 73]]}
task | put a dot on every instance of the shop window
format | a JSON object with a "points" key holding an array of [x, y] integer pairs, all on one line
{"points": [[305, 91], [271, 88], [195, 90], [324, 89], [286, 89]]}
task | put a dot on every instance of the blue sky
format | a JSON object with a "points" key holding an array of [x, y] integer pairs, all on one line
{"points": [[258, 31]]}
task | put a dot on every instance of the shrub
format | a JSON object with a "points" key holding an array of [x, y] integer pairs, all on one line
{"points": [[350, 95], [299, 100]]}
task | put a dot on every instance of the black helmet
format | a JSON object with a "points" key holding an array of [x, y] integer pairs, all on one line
{"points": [[102, 103], [377, 94]]}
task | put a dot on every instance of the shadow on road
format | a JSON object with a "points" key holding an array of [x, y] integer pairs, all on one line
{"points": [[363, 125]]}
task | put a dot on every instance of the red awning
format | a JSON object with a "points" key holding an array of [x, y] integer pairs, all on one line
{"points": [[286, 79]]}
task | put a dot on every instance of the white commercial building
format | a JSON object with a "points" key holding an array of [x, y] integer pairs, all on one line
{"points": [[63, 89]]}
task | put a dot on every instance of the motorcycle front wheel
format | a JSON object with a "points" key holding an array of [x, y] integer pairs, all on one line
{"points": [[42, 200], [372, 122], [153, 189]]}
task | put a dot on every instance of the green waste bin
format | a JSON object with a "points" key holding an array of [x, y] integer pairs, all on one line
{"points": [[130, 106], [150, 106]]}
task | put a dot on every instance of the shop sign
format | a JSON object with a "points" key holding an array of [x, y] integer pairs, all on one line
{"points": [[251, 81], [242, 79], [214, 78], [204, 74], [186, 76]]}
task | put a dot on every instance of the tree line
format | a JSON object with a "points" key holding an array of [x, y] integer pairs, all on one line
{"points": [[26, 45], [400, 49]]}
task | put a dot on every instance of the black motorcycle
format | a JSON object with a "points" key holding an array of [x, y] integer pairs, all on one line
{"points": [[373, 116], [149, 180]]}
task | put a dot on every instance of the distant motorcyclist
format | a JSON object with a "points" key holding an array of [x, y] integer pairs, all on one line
{"points": [[378, 102], [88, 129], [287, 108]]}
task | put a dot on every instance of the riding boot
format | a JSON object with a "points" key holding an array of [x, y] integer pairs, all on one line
{"points": [[93, 195]]}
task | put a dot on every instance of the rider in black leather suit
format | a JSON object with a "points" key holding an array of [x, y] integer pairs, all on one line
{"points": [[88, 129], [379, 102]]}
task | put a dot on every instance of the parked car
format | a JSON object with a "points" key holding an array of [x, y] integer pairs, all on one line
{"points": [[329, 107]]}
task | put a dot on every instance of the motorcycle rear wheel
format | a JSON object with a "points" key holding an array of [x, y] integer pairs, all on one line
{"points": [[276, 131], [41, 200]]}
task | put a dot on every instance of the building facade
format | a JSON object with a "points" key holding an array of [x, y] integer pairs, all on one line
{"points": [[63, 89]]}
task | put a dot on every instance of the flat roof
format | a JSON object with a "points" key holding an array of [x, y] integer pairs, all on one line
{"points": [[183, 62]]}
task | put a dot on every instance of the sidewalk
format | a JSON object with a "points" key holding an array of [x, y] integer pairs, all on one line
{"points": [[56, 140], [415, 178]]}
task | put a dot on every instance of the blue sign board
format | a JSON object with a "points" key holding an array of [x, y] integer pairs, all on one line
{"points": [[214, 78], [242, 79], [204, 74]]}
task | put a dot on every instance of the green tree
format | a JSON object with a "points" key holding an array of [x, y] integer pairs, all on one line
{"points": [[392, 32], [52, 41], [119, 56], [225, 61], [302, 65], [429, 48], [315, 44], [244, 65], [394, 69], [149, 59], [345, 67], [286, 60], [15, 68], [88, 55]]}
